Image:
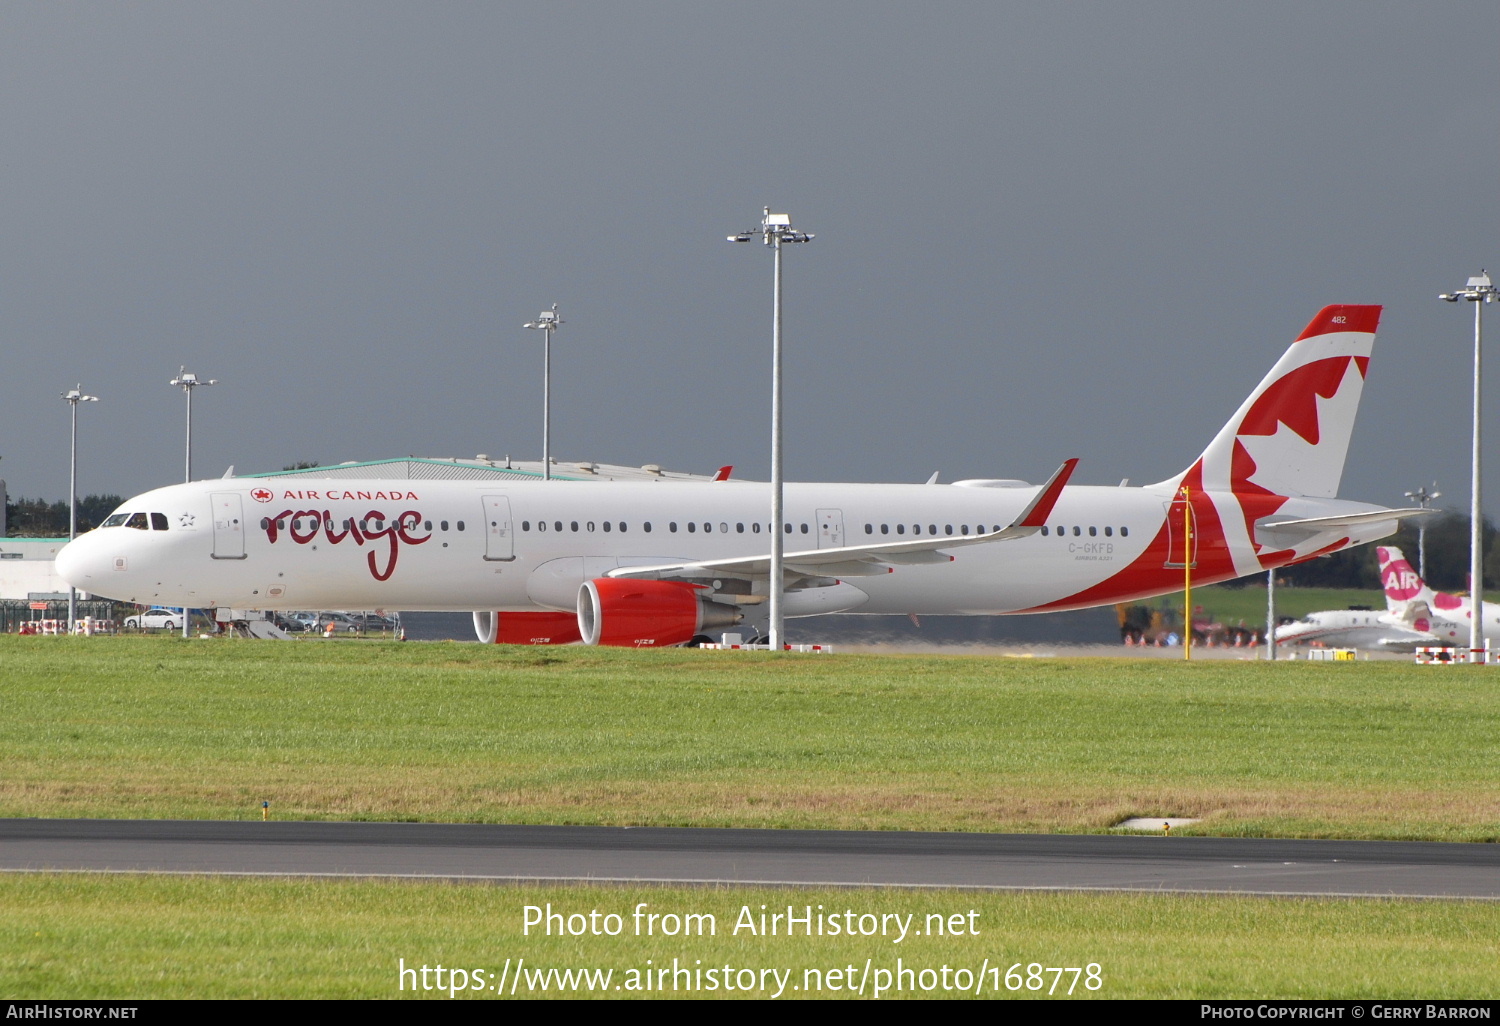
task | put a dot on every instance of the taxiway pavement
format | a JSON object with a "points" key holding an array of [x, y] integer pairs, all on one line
{"points": [[753, 857]]}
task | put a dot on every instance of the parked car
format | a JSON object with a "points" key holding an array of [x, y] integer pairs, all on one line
{"points": [[308, 621], [167, 619], [340, 621], [285, 622], [374, 623]]}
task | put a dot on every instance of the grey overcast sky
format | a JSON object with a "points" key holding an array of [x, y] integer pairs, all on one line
{"points": [[1044, 230]]}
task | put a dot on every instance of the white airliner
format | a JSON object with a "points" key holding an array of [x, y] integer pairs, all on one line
{"points": [[1415, 615], [659, 563]]}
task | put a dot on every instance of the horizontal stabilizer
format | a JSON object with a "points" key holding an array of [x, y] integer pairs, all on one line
{"points": [[1346, 520]]}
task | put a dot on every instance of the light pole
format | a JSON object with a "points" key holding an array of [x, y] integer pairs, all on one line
{"points": [[1478, 291], [774, 231], [1422, 497], [188, 382], [73, 397], [547, 321], [1271, 614]]}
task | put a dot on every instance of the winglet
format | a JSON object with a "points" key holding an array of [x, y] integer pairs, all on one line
{"points": [[1036, 514], [723, 473]]}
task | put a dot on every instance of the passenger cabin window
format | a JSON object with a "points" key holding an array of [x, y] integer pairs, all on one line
{"points": [[1093, 532], [1124, 532], [1077, 530], [158, 521], [137, 521], [459, 525], [1044, 531]]}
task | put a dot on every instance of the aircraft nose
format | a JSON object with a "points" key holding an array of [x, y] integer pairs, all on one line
{"points": [[81, 562]]}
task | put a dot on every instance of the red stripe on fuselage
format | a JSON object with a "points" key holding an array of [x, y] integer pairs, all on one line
{"points": [[1148, 574]]}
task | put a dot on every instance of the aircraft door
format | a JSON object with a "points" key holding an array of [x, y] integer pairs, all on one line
{"points": [[830, 528], [229, 526], [499, 541], [1177, 546]]}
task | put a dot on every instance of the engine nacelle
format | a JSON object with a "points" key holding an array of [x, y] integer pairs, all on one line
{"points": [[647, 614], [527, 628]]}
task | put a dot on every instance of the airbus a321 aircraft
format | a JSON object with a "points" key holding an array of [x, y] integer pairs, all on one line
{"points": [[659, 563], [1415, 615]]}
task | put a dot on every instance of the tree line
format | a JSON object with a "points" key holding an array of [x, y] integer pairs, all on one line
{"points": [[38, 518]]}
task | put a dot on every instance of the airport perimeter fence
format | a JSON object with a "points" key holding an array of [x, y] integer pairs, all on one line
{"points": [[14, 612]]}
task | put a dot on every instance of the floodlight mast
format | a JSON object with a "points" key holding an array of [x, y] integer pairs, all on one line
{"points": [[187, 382], [547, 321], [1422, 497], [1479, 291], [774, 231], [73, 397]]}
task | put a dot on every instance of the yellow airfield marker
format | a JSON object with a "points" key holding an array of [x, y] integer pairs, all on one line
{"points": [[1187, 577]]}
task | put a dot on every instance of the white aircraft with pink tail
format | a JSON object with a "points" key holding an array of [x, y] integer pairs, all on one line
{"points": [[661, 563], [1414, 616]]}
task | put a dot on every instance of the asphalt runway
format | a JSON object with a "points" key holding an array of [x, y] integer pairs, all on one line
{"points": [[772, 857]]}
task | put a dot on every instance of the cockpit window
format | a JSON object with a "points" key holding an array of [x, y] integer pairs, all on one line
{"points": [[115, 520], [158, 521], [138, 521]]}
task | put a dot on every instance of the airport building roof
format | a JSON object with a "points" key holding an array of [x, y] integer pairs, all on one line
{"points": [[481, 468]]}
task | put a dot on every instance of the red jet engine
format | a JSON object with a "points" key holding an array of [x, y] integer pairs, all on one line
{"points": [[527, 628], [647, 614]]}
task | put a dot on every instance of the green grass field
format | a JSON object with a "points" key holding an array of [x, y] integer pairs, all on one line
{"points": [[161, 727], [88, 936], [1232, 605], [166, 728]]}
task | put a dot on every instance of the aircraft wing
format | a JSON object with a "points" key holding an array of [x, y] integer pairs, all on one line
{"points": [[867, 560]]}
